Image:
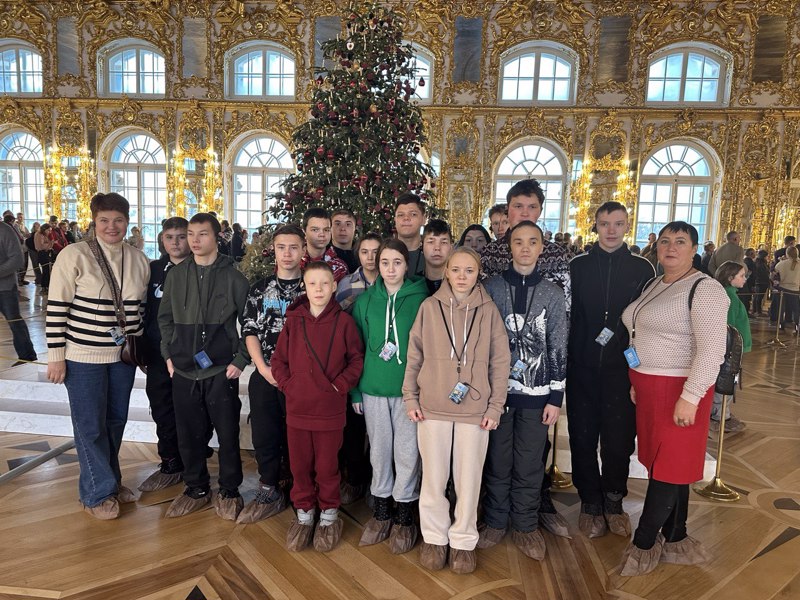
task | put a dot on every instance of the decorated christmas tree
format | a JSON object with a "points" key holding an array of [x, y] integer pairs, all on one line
{"points": [[359, 148]]}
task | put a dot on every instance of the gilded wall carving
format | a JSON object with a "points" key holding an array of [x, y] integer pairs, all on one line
{"points": [[755, 137]]}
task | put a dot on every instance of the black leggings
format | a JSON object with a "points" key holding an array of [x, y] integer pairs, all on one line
{"points": [[666, 507]]}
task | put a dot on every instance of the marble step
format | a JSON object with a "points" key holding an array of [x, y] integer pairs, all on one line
{"points": [[31, 404]]}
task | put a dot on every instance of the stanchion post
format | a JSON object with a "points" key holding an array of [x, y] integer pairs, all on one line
{"points": [[716, 488], [558, 479], [776, 341]]}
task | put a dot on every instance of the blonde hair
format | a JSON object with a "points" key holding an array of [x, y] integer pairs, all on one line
{"points": [[464, 250]]}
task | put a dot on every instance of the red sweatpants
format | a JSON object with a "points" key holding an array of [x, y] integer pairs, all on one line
{"points": [[314, 458]]}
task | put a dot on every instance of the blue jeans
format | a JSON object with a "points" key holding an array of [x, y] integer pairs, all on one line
{"points": [[9, 307], [98, 400]]}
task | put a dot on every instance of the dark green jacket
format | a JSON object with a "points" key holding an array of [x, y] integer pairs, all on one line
{"points": [[198, 299], [380, 377]]}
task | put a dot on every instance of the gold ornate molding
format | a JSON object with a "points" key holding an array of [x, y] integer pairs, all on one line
{"points": [[13, 113], [194, 132], [257, 118], [70, 137]]}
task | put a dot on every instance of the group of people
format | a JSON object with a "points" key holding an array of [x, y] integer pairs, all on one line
{"points": [[449, 364]]}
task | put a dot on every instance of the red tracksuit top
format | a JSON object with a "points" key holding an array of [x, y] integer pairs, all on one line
{"points": [[313, 355]]}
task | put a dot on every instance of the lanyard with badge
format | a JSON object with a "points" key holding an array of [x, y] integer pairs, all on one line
{"points": [[460, 389], [117, 333], [520, 366], [630, 352], [201, 358]]}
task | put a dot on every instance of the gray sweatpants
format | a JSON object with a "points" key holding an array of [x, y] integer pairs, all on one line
{"points": [[393, 450]]}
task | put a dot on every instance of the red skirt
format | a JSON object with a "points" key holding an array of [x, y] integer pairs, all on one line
{"points": [[670, 453]]}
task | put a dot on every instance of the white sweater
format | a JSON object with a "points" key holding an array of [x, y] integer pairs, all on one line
{"points": [[673, 342], [80, 309]]}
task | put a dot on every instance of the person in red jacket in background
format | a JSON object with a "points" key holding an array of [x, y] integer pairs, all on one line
{"points": [[321, 343]]}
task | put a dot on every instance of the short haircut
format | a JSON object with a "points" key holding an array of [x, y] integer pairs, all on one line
{"points": [[393, 244], [708, 246], [635, 249], [237, 228], [474, 227], [526, 187], [175, 223], [410, 198], [201, 218], [681, 227], [73, 223], [730, 235], [727, 271], [45, 227], [762, 254], [318, 265], [498, 208], [525, 223], [9, 218], [289, 229], [464, 250], [609, 207], [111, 201], [369, 237], [225, 223], [315, 212], [344, 211], [788, 240], [437, 227]]}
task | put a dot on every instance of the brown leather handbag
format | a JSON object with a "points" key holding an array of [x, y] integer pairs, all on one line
{"points": [[134, 349]]}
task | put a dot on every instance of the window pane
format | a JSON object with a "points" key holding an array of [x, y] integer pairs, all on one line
{"points": [[511, 69], [694, 66], [711, 69], [658, 69], [545, 89], [675, 65], [509, 89], [655, 90], [691, 92], [547, 66], [527, 65], [562, 68], [561, 91], [709, 93], [525, 89], [672, 90]]}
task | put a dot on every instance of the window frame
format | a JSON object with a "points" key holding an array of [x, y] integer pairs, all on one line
{"points": [[263, 46], [7, 44], [141, 168], [115, 47], [715, 53], [676, 181], [24, 167], [537, 48], [566, 170], [264, 172]]}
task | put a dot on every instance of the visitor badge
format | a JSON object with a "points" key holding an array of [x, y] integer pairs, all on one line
{"points": [[202, 360], [518, 370], [632, 357], [459, 391], [388, 351], [117, 335], [604, 337]]}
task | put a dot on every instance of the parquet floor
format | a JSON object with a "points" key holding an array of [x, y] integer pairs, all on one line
{"points": [[50, 549]]}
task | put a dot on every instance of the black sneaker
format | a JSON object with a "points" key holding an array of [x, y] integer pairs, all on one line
{"points": [[197, 492], [546, 503], [382, 510], [170, 466], [612, 504]]}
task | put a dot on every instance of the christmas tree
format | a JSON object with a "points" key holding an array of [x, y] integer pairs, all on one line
{"points": [[359, 148]]}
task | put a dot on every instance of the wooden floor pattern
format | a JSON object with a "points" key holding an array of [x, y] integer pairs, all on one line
{"points": [[50, 549]]}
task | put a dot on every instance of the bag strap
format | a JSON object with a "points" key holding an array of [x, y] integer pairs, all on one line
{"points": [[692, 291], [105, 268], [330, 346]]}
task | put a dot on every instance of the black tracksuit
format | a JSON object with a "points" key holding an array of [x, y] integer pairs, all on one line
{"points": [[159, 383], [598, 389]]}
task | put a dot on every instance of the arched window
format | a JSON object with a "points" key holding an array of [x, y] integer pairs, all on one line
{"points": [[697, 74], [131, 67], [260, 69], [675, 185], [258, 167], [20, 69], [543, 163], [422, 63], [543, 72], [22, 175], [138, 171]]}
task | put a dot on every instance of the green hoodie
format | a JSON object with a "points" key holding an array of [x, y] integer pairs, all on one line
{"points": [[737, 317], [381, 377], [199, 298]]}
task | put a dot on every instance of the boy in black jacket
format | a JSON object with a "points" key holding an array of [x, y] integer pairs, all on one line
{"points": [[159, 384], [604, 282], [203, 298]]}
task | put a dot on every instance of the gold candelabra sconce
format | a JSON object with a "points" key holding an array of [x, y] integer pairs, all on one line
{"points": [[211, 199], [177, 184], [68, 175]]}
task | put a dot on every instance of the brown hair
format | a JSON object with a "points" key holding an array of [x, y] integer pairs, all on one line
{"points": [[727, 271], [110, 201], [392, 244]]}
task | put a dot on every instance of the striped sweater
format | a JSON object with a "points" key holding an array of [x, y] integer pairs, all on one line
{"points": [[80, 309]]}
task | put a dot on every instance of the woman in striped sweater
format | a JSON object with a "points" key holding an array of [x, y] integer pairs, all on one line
{"points": [[83, 341]]}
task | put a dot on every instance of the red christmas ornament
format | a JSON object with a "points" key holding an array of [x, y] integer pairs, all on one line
{"points": [[421, 82], [330, 155], [320, 150]]}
